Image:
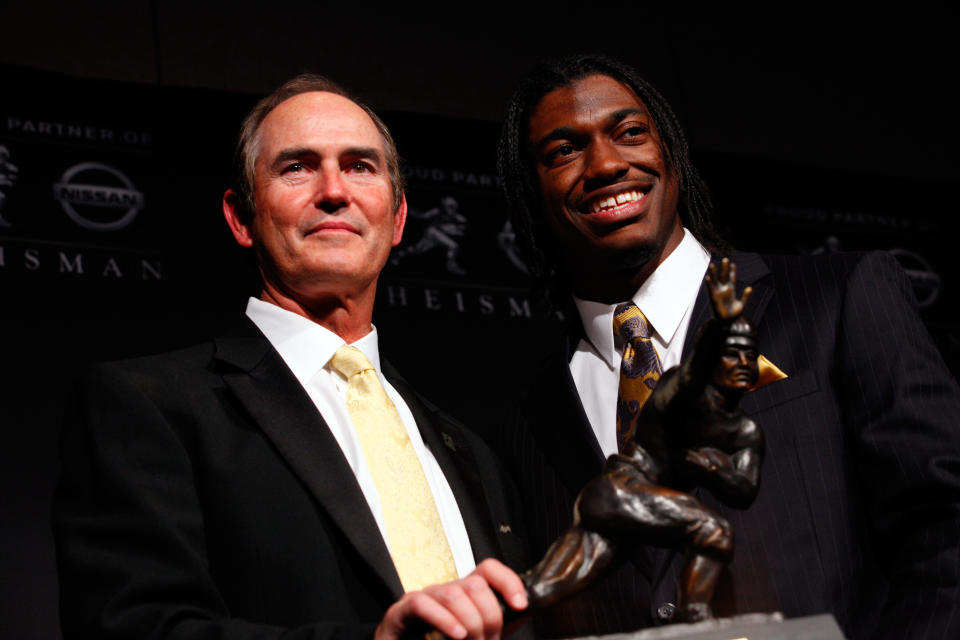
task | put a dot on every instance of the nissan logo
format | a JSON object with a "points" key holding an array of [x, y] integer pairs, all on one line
{"points": [[95, 205]]}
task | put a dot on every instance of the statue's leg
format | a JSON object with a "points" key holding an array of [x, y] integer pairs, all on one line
{"points": [[570, 564], [710, 546], [697, 584], [624, 506]]}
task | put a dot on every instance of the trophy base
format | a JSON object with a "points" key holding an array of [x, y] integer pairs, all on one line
{"points": [[751, 626]]}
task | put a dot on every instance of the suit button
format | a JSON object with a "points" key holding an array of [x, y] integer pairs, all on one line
{"points": [[665, 612]]}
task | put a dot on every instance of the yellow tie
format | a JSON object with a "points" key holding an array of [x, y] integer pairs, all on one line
{"points": [[415, 535], [640, 368]]}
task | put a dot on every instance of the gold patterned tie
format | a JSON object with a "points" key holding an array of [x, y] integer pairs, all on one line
{"points": [[415, 535], [639, 369]]}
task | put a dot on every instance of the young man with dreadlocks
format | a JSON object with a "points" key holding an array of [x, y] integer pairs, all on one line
{"points": [[858, 512]]}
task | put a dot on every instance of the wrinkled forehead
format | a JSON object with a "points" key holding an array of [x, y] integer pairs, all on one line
{"points": [[318, 120]]}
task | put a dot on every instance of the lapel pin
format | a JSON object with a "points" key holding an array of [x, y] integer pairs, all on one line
{"points": [[505, 528], [447, 440]]}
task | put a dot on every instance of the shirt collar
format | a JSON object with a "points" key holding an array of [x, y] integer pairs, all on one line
{"points": [[305, 346], [664, 298]]}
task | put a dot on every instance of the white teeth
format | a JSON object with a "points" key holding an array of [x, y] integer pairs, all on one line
{"points": [[613, 201]]}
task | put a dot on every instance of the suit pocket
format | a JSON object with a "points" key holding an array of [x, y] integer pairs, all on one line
{"points": [[794, 386]]}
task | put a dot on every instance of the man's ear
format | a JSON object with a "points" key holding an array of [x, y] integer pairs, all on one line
{"points": [[233, 211], [399, 219]]}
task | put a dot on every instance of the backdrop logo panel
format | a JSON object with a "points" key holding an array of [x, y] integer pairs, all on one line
{"points": [[819, 229], [85, 193], [74, 184], [459, 255]]}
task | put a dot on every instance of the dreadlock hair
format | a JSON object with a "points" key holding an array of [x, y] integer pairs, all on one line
{"points": [[519, 179]]}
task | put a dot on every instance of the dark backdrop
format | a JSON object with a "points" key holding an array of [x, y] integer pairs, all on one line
{"points": [[817, 131]]}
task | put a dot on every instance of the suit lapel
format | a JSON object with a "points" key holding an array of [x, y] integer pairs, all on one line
{"points": [[751, 270], [277, 402], [560, 425], [456, 459]]}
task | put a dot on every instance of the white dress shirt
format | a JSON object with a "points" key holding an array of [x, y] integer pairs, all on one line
{"points": [[306, 348], [666, 299]]}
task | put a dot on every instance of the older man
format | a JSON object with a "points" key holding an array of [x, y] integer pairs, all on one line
{"points": [[282, 481], [859, 499]]}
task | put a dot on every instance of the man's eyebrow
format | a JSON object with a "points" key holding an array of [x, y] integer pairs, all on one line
{"points": [[560, 133], [567, 133], [368, 153], [620, 114], [299, 153], [293, 153]]}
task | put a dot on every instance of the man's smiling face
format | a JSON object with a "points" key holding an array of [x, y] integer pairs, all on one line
{"points": [[609, 194], [325, 218]]}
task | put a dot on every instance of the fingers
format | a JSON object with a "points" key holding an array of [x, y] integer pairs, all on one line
{"points": [[418, 609], [505, 581], [472, 605], [722, 286], [727, 274], [481, 600], [464, 609], [700, 457], [728, 271], [707, 458]]}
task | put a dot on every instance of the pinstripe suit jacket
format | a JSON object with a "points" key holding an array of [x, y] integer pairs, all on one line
{"points": [[858, 512]]}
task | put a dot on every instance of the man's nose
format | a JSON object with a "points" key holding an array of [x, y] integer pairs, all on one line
{"points": [[331, 190], [604, 162]]}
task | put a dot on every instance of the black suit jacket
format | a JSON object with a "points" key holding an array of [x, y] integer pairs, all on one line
{"points": [[203, 496], [858, 512]]}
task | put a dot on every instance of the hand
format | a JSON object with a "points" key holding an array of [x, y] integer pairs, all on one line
{"points": [[462, 609], [708, 458], [723, 295]]}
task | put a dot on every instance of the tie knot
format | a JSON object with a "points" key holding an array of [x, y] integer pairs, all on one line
{"points": [[630, 322], [349, 361]]}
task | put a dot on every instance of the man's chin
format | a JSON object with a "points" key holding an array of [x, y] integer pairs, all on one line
{"points": [[602, 267], [634, 257]]}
